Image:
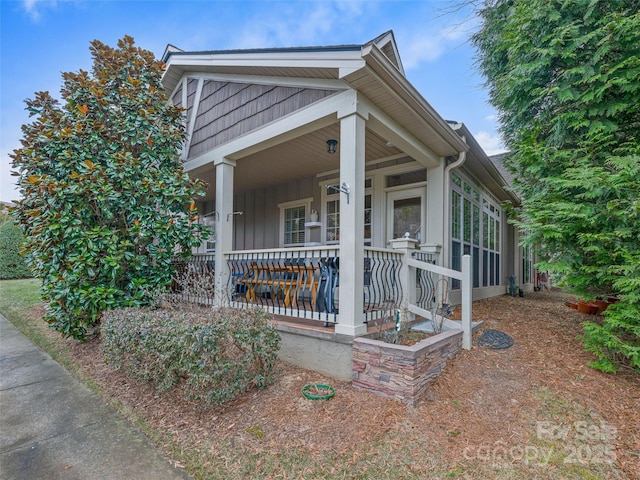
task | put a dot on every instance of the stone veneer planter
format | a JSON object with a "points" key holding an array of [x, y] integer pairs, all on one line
{"points": [[399, 371]]}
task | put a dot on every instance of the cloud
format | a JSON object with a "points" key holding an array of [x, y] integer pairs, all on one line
{"points": [[298, 24], [426, 45], [491, 144], [35, 8]]}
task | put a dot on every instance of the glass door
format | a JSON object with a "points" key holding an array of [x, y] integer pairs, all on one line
{"points": [[406, 210]]}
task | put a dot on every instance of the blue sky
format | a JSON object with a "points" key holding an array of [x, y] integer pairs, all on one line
{"points": [[42, 38]]}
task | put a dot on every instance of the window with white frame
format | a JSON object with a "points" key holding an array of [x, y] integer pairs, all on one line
{"points": [[208, 220], [292, 219], [475, 231], [491, 244], [332, 213]]}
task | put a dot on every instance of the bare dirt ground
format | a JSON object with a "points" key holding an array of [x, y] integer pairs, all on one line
{"points": [[534, 410]]}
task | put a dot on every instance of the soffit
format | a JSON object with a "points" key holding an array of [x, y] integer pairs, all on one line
{"points": [[305, 156]]}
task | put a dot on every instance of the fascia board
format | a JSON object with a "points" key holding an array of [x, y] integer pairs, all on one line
{"points": [[478, 159], [330, 59], [393, 81], [316, 83]]}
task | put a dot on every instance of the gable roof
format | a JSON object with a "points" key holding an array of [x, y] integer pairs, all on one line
{"points": [[373, 68]]}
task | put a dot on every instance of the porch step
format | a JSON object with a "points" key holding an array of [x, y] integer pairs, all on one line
{"points": [[427, 326]]}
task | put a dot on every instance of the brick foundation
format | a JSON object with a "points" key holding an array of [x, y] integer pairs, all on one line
{"points": [[402, 372]]}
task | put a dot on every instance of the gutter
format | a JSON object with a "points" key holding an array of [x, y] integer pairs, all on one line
{"points": [[462, 156]]}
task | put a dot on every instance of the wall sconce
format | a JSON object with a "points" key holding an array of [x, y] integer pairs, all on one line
{"points": [[331, 146]]}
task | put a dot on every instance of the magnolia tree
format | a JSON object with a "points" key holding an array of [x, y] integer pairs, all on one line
{"points": [[105, 201], [564, 78]]}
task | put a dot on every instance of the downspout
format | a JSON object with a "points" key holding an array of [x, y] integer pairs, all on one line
{"points": [[462, 156]]}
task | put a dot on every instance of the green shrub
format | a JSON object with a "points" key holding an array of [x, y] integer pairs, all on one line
{"points": [[106, 203], [213, 355], [12, 264]]}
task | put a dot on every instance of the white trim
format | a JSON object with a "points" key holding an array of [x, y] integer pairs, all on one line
{"points": [[304, 202], [325, 197], [192, 120], [319, 59], [313, 83], [410, 191], [385, 126], [293, 203]]}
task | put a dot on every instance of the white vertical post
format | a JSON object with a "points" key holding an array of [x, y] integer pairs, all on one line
{"points": [[433, 231], [224, 228], [408, 277], [466, 288], [351, 296]]}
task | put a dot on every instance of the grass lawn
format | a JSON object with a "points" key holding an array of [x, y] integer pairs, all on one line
{"points": [[534, 410]]}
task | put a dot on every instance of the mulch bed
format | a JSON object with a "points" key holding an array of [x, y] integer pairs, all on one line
{"points": [[483, 397]]}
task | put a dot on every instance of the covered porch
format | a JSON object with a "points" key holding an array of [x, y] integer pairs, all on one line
{"points": [[301, 288], [328, 174]]}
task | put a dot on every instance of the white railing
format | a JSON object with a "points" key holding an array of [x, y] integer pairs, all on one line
{"points": [[432, 281]]}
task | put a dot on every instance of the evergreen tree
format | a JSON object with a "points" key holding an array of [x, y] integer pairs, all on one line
{"points": [[564, 76]]}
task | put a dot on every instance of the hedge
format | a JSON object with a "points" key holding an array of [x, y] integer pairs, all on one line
{"points": [[214, 355]]}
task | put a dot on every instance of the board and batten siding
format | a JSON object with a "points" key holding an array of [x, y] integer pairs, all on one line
{"points": [[228, 110], [177, 97], [259, 225], [192, 87]]}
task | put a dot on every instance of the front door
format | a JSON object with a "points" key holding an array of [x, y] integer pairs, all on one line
{"points": [[405, 213]]}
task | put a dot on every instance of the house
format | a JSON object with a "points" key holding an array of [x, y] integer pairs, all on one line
{"points": [[337, 193]]}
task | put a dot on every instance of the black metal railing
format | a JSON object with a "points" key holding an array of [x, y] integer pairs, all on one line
{"points": [[426, 282], [300, 282], [294, 282], [382, 284]]}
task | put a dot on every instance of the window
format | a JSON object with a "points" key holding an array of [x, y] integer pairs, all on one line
{"points": [[491, 246], [332, 213], [211, 242], [475, 230], [293, 216], [208, 221], [406, 178]]}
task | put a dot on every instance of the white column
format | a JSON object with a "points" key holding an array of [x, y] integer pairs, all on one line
{"points": [[408, 276], [467, 289], [437, 218], [351, 297], [224, 228]]}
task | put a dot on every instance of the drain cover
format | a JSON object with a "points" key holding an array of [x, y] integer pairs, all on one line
{"points": [[494, 339]]}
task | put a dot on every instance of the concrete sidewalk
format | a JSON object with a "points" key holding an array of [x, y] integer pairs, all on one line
{"points": [[53, 427]]}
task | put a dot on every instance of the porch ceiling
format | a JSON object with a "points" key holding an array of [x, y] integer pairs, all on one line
{"points": [[301, 157]]}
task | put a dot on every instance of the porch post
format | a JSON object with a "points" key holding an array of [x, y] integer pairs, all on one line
{"points": [[224, 228], [467, 289], [437, 218], [407, 246], [351, 296]]}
